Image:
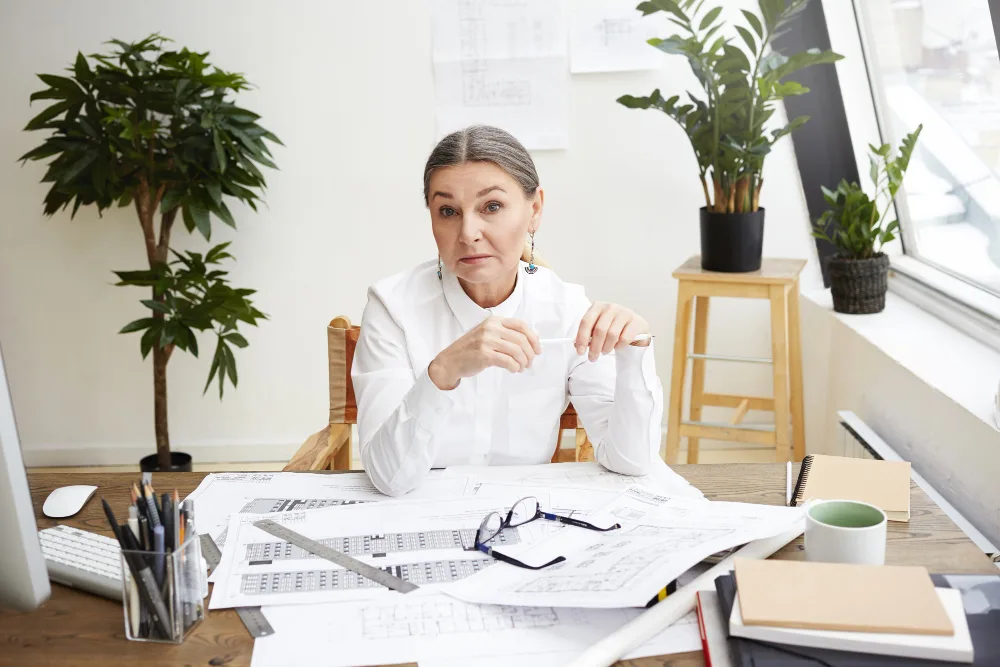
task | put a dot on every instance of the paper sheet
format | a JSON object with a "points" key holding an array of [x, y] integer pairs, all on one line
{"points": [[502, 63], [435, 630], [221, 494], [610, 36], [428, 542], [585, 475], [660, 538]]}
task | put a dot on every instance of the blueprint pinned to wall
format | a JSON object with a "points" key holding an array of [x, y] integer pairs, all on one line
{"points": [[502, 63], [611, 35]]}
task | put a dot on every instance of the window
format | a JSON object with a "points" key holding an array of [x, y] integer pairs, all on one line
{"points": [[934, 62]]}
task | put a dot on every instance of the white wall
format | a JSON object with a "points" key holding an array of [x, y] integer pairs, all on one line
{"points": [[348, 86]]}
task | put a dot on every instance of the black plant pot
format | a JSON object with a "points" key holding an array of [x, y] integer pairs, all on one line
{"points": [[732, 242], [179, 462], [859, 285]]}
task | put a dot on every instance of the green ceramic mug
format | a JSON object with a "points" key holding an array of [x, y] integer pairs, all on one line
{"points": [[845, 531]]}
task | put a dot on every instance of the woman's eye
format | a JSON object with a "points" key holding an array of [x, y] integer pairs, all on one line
{"points": [[493, 206], [447, 211]]}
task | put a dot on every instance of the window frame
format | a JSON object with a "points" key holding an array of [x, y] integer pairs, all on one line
{"points": [[969, 307]]}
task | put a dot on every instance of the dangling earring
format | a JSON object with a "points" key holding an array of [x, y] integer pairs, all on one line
{"points": [[439, 267], [531, 268]]}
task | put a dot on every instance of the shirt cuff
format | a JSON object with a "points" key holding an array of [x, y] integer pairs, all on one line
{"points": [[638, 366], [428, 405]]}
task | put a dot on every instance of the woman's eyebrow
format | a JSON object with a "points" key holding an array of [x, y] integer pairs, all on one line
{"points": [[446, 195], [490, 189]]}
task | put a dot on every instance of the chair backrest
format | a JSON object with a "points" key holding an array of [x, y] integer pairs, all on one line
{"points": [[341, 341]]}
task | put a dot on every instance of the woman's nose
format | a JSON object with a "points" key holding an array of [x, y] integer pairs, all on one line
{"points": [[472, 229]]}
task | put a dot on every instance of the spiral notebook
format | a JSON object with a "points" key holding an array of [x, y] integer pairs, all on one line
{"points": [[885, 484]]}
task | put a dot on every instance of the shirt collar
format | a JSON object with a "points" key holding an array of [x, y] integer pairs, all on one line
{"points": [[469, 314]]}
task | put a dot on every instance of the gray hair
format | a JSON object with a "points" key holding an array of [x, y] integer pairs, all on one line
{"points": [[482, 143]]}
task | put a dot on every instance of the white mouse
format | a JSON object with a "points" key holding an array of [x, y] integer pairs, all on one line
{"points": [[67, 500]]}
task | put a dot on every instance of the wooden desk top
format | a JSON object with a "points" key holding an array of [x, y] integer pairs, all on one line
{"points": [[81, 630], [772, 272]]}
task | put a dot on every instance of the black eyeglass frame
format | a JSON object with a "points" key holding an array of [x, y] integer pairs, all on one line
{"points": [[506, 522]]}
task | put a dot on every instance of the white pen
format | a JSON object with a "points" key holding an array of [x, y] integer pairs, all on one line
{"points": [[133, 590], [788, 484], [563, 341]]}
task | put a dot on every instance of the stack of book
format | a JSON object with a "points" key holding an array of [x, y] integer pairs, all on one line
{"points": [[790, 613]]}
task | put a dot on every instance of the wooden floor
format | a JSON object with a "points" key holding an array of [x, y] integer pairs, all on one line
{"points": [[762, 455]]}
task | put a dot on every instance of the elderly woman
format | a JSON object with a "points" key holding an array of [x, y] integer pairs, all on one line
{"points": [[472, 358]]}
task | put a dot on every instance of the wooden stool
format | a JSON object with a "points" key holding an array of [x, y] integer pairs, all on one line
{"points": [[778, 281]]}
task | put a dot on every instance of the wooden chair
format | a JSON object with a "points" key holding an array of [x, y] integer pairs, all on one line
{"points": [[330, 449]]}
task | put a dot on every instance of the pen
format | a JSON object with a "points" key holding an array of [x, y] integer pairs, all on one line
{"points": [[158, 554], [151, 511], [167, 518], [176, 520], [133, 590], [555, 341], [788, 484]]}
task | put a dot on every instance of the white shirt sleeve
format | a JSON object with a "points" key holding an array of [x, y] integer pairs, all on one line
{"points": [[399, 408], [620, 402]]}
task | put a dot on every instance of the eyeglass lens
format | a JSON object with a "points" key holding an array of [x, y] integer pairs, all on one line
{"points": [[490, 527], [523, 511]]}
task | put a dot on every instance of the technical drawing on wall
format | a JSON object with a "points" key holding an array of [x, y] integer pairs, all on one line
{"points": [[428, 542], [611, 36], [408, 628], [503, 63]]}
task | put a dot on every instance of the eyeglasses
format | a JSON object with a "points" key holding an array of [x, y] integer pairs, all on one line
{"points": [[523, 511]]}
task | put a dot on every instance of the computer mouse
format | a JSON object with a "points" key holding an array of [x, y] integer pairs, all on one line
{"points": [[67, 500]]}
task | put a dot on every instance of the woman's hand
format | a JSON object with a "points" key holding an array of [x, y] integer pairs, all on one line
{"points": [[501, 342], [606, 327]]}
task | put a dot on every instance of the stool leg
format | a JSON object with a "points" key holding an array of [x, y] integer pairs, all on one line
{"points": [[681, 328], [698, 369], [779, 356], [795, 368]]}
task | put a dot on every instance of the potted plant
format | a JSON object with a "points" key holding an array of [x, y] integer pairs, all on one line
{"points": [[859, 271], [726, 125], [157, 129]]}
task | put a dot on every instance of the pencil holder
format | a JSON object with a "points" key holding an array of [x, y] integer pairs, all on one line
{"points": [[162, 593]]}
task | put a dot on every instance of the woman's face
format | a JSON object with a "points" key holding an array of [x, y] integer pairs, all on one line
{"points": [[480, 216]]}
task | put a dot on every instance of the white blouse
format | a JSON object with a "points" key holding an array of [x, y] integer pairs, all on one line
{"points": [[407, 425]]}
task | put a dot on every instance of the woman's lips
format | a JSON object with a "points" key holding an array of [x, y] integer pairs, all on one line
{"points": [[475, 259]]}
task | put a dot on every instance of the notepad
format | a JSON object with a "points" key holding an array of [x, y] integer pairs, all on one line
{"points": [[955, 648], [836, 596], [884, 484]]}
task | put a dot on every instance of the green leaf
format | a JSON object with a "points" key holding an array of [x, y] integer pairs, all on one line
{"points": [[80, 68], [748, 38], [158, 306], [220, 152], [199, 217], [710, 18], [148, 339], [222, 211], [211, 372], [138, 325], [39, 121], [754, 22], [236, 339], [230, 364]]}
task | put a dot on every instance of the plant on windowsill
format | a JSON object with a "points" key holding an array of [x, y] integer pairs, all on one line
{"points": [[158, 129], [727, 125], [859, 271]]}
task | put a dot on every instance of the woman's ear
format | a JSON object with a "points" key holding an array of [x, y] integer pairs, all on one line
{"points": [[537, 203]]}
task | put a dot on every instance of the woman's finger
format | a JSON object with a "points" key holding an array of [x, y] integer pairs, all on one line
{"points": [[600, 332], [585, 333], [502, 360], [518, 338], [629, 333], [522, 326], [614, 337], [514, 351]]}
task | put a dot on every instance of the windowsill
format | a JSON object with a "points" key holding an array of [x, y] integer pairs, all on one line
{"points": [[953, 363]]}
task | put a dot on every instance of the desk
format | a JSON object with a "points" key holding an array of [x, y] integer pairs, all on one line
{"points": [[77, 629]]}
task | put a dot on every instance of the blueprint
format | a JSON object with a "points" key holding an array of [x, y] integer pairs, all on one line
{"points": [[437, 631], [611, 35], [660, 538], [428, 542], [502, 63]]}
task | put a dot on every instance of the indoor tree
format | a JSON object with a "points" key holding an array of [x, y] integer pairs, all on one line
{"points": [[157, 129]]}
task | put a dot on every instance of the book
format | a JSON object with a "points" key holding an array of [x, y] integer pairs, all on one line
{"points": [[713, 628], [884, 484], [981, 598], [955, 648], [838, 596]]}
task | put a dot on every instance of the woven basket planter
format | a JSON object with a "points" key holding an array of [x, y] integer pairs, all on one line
{"points": [[859, 285]]}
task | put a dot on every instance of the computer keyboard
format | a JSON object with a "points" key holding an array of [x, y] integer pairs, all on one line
{"points": [[83, 560]]}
